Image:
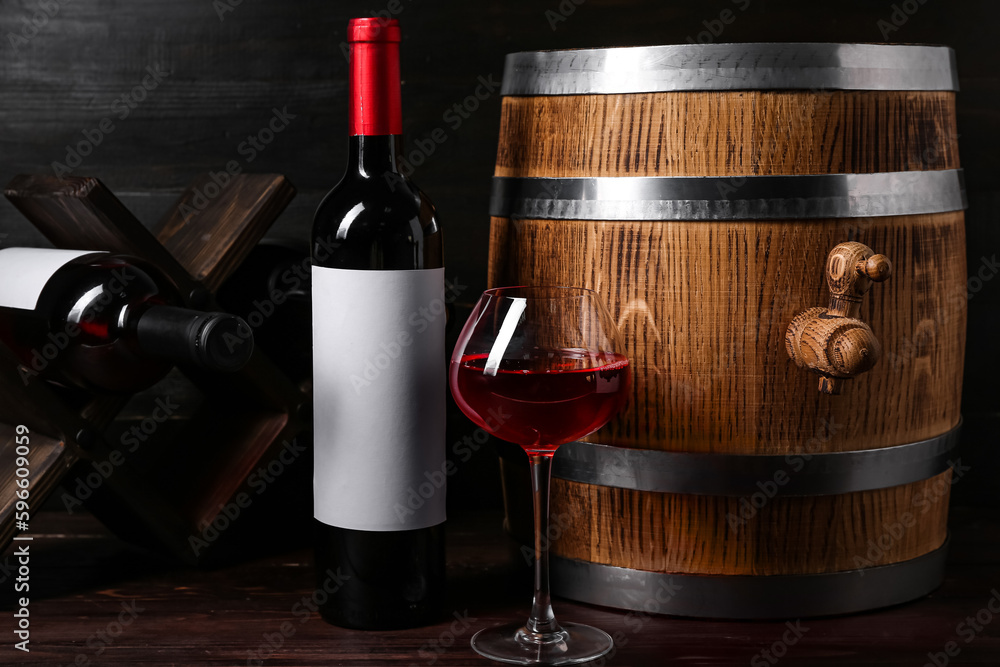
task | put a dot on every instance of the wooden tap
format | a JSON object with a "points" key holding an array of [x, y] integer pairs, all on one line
{"points": [[832, 341]]}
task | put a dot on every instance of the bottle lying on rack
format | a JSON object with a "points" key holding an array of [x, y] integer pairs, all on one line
{"points": [[107, 323], [378, 366]]}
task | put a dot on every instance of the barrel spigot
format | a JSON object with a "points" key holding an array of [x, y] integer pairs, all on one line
{"points": [[832, 341]]}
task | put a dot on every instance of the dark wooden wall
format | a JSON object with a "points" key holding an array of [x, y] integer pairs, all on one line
{"points": [[230, 63]]}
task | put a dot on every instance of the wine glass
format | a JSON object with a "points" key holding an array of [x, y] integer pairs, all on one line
{"points": [[540, 366]]}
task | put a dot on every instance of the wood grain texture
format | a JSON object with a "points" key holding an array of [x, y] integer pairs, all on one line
{"points": [[51, 450], [715, 535], [81, 213], [703, 308], [211, 229], [48, 460], [736, 133], [82, 575], [226, 76], [248, 416]]}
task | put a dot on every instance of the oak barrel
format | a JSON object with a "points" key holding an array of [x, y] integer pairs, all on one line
{"points": [[701, 189]]}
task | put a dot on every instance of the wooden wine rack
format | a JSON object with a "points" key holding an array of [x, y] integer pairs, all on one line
{"points": [[247, 416]]}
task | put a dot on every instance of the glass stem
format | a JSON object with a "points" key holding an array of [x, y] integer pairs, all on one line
{"points": [[542, 621]]}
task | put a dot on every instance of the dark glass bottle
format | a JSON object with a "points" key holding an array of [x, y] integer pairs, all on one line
{"points": [[109, 323], [376, 221]]}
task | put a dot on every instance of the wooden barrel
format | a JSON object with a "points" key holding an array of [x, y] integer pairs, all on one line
{"points": [[700, 189]]}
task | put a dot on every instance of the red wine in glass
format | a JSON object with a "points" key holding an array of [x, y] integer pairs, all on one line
{"points": [[540, 366], [551, 398]]}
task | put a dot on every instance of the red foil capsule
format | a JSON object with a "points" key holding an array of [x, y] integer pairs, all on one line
{"points": [[374, 80]]}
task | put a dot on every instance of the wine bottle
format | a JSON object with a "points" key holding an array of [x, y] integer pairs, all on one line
{"points": [[378, 366], [107, 323]]}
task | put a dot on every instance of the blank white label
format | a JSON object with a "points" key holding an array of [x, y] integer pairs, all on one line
{"points": [[379, 398], [24, 272]]}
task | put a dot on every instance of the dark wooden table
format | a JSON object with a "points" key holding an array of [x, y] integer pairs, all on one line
{"points": [[98, 601]]}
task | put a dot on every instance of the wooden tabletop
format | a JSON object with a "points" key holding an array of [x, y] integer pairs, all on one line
{"points": [[95, 600]]}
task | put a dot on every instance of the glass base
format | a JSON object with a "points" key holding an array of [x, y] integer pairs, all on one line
{"points": [[513, 644]]}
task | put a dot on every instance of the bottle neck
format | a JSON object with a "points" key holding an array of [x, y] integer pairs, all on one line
{"points": [[374, 155]]}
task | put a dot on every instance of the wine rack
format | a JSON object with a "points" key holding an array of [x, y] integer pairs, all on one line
{"points": [[246, 421]]}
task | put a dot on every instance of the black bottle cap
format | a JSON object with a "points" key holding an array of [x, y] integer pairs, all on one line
{"points": [[215, 341], [225, 342]]}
